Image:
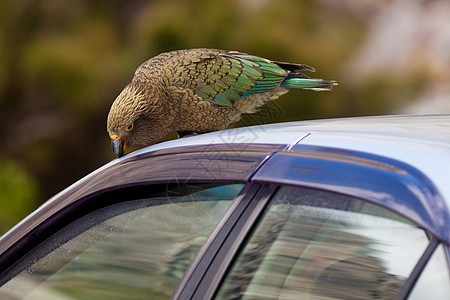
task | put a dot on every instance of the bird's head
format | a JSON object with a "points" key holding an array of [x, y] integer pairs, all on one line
{"points": [[131, 118]]}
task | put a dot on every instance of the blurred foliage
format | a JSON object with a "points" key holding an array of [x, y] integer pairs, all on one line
{"points": [[17, 195], [64, 62]]}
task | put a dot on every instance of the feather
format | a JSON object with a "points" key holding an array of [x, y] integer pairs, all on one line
{"points": [[310, 84]]}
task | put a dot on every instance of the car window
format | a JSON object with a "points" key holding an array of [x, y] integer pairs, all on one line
{"points": [[134, 250], [313, 244], [434, 282]]}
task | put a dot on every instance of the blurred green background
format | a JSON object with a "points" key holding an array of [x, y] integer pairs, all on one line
{"points": [[62, 63]]}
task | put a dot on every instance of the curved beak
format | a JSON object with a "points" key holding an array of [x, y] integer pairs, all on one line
{"points": [[119, 145]]}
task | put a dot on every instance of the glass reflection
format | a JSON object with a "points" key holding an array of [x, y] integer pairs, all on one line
{"points": [[318, 245], [138, 254]]}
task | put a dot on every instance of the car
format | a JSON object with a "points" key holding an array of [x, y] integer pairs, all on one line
{"points": [[350, 208]]}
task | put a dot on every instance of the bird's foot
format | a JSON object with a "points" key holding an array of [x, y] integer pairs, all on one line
{"points": [[182, 134]]}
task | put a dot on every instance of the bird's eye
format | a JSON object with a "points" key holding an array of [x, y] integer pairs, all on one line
{"points": [[129, 127]]}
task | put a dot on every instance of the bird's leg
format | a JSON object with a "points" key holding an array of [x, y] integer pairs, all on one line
{"points": [[182, 134]]}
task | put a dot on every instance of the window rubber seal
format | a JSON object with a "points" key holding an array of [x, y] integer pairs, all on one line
{"points": [[417, 271]]}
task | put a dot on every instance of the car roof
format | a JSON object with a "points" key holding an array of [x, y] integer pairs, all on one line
{"points": [[423, 141], [425, 128]]}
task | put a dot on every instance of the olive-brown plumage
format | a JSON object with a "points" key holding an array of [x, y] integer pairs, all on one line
{"points": [[198, 90]]}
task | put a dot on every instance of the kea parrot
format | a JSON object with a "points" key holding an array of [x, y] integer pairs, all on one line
{"points": [[197, 91]]}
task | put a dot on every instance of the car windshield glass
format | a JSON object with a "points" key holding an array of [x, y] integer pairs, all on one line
{"points": [[312, 244], [134, 250]]}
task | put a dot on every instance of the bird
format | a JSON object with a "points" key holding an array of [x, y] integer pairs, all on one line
{"points": [[196, 91]]}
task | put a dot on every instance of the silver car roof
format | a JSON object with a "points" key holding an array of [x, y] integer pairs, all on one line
{"points": [[422, 141]]}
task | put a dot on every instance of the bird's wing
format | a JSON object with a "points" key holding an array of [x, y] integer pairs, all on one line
{"points": [[222, 77]]}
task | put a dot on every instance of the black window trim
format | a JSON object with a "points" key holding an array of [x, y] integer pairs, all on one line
{"points": [[209, 267], [418, 268]]}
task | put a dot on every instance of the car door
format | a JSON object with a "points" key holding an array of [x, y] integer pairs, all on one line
{"points": [[228, 223], [330, 224]]}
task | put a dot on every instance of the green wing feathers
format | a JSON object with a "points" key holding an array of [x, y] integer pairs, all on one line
{"points": [[239, 76], [225, 76], [264, 74]]}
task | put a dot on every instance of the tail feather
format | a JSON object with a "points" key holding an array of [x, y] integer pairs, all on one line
{"points": [[309, 84], [296, 79]]}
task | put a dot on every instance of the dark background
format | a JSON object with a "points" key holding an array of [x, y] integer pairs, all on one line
{"points": [[62, 63]]}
